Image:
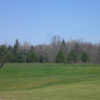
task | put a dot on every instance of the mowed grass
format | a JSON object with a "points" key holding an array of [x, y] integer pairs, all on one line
{"points": [[49, 82]]}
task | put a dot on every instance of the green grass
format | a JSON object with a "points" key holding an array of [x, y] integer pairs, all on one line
{"points": [[49, 82]]}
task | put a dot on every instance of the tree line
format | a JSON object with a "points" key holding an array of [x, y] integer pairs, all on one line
{"points": [[58, 51]]}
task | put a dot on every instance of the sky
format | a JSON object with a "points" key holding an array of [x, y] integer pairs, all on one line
{"points": [[37, 21]]}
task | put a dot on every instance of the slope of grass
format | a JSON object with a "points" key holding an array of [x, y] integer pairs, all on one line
{"points": [[49, 82]]}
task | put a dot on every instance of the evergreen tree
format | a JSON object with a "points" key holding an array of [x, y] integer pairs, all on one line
{"points": [[11, 55], [84, 57], [41, 59], [16, 46], [60, 58], [73, 57], [16, 51], [31, 55], [63, 45], [3, 55]]}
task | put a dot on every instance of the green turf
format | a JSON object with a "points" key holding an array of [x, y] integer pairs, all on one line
{"points": [[49, 82]]}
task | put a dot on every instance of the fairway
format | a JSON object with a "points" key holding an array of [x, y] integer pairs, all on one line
{"points": [[49, 82]]}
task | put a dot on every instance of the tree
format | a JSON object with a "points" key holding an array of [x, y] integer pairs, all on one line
{"points": [[11, 55], [63, 47], [56, 51], [41, 59], [60, 57], [31, 55], [16, 46], [3, 55], [16, 51], [73, 57], [63, 44], [84, 57]]}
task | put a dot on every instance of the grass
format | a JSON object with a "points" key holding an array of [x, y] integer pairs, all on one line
{"points": [[49, 82]]}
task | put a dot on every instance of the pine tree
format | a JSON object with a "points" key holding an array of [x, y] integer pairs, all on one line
{"points": [[31, 56], [84, 57], [60, 58], [3, 55], [72, 57]]}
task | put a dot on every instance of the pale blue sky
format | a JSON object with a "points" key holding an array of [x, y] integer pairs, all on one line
{"points": [[37, 21]]}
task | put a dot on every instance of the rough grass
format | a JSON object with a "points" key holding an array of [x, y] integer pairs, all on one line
{"points": [[49, 82]]}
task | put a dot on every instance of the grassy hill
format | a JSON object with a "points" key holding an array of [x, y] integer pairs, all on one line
{"points": [[49, 82]]}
